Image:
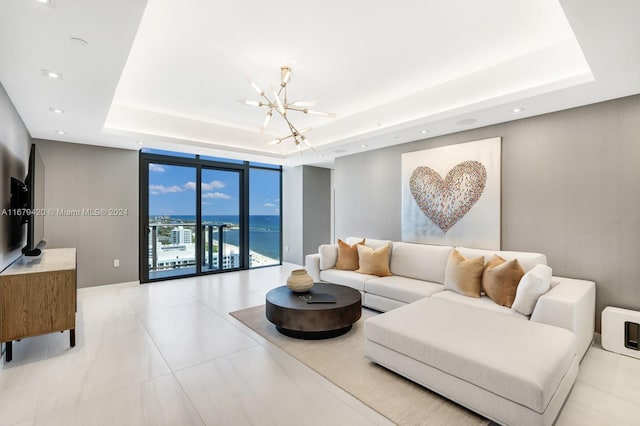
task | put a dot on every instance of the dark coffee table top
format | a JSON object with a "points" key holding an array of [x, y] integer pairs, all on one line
{"points": [[297, 318], [285, 298]]}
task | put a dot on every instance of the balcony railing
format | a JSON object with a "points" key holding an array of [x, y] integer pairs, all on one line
{"points": [[172, 246]]}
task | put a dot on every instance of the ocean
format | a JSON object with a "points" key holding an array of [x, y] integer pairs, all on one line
{"points": [[264, 232]]}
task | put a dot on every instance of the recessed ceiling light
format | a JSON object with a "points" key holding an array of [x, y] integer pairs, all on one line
{"points": [[364, 145], [466, 122], [52, 74], [56, 110], [424, 131], [396, 137], [140, 143], [517, 110], [43, 1], [60, 132], [79, 41], [322, 155]]}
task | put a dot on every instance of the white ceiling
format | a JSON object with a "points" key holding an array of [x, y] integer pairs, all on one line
{"points": [[169, 75]]}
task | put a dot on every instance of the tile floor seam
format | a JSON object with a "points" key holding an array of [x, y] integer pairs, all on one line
{"points": [[601, 389], [98, 396], [155, 345], [186, 394], [181, 369]]}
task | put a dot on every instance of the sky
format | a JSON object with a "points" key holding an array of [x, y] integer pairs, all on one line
{"points": [[172, 191]]}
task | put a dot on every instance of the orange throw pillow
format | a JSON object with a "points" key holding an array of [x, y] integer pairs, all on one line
{"points": [[348, 256], [464, 275], [374, 262]]}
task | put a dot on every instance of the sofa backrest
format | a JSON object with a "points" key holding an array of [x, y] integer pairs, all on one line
{"points": [[526, 259], [420, 261], [369, 242]]}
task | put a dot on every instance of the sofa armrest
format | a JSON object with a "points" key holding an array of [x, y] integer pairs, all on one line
{"points": [[312, 265], [570, 304]]}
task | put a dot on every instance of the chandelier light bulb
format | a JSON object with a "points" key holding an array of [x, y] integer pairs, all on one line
{"points": [[280, 106], [285, 74], [255, 87], [266, 120]]}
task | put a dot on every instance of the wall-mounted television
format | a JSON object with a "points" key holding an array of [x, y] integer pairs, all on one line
{"points": [[28, 199]]}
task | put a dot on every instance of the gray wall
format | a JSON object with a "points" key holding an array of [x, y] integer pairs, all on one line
{"points": [[317, 208], [306, 217], [89, 177], [15, 142], [570, 190]]}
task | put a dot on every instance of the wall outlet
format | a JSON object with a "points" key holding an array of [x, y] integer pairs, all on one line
{"points": [[116, 263]]}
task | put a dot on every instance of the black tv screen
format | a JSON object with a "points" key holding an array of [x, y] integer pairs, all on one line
{"points": [[36, 211]]}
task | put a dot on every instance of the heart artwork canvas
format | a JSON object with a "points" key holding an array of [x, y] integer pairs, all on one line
{"points": [[451, 195]]}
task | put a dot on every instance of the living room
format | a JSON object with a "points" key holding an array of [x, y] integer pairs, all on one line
{"points": [[569, 154]]}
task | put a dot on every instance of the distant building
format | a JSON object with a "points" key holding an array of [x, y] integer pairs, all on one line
{"points": [[180, 235]]}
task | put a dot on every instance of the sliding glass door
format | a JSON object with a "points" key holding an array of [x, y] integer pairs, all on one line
{"points": [[221, 224], [201, 215], [171, 227]]}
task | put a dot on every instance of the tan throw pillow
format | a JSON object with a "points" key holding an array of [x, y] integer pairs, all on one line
{"points": [[500, 280], [347, 256], [464, 275], [374, 262]]}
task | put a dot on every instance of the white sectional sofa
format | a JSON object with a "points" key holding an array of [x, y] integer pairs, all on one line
{"points": [[511, 368]]}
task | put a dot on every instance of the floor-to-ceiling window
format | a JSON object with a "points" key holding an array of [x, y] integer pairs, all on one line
{"points": [[264, 215], [204, 214]]}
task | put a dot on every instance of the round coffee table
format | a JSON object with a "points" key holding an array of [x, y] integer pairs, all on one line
{"points": [[295, 317]]}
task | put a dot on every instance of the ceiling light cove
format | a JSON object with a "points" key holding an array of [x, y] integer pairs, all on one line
{"points": [[463, 70]]}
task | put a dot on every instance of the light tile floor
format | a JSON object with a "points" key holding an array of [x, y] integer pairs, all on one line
{"points": [[170, 354]]}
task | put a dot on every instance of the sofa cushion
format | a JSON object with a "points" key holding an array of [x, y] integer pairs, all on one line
{"points": [[328, 256], [463, 275], [348, 256], [500, 280], [403, 289], [481, 303], [349, 278], [420, 261], [533, 284], [521, 361], [526, 259], [374, 262]]}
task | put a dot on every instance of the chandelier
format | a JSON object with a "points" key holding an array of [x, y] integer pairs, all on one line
{"points": [[281, 105]]}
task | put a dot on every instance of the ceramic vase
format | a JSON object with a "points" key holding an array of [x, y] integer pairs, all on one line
{"points": [[299, 281]]}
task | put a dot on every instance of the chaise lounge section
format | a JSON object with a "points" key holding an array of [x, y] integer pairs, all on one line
{"points": [[513, 368]]}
